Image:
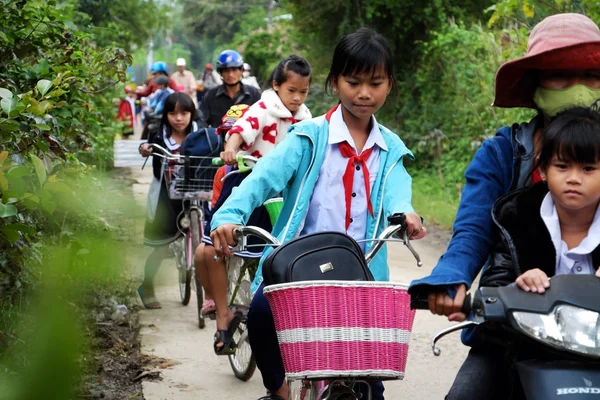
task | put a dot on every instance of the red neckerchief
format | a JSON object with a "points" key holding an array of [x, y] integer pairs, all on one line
{"points": [[348, 178]]}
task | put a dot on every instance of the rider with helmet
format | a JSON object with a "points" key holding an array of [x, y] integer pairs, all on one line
{"points": [[247, 78], [157, 69], [217, 101]]}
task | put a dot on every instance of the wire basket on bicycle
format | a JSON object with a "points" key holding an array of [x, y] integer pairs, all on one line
{"points": [[189, 177]]}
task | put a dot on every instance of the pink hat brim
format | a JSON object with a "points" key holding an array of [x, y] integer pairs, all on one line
{"points": [[515, 84]]}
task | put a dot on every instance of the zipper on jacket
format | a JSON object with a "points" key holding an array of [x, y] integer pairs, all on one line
{"points": [[504, 232], [382, 193]]}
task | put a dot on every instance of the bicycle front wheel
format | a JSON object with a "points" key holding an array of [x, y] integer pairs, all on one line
{"points": [[242, 361]]}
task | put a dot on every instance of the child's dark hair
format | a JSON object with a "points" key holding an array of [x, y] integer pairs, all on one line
{"points": [[573, 136], [183, 102], [364, 51], [289, 64]]}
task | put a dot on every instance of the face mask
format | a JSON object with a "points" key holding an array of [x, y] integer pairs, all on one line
{"points": [[553, 101]]}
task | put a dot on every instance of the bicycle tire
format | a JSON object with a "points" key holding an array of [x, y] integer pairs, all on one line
{"points": [[200, 300], [185, 274], [242, 369]]}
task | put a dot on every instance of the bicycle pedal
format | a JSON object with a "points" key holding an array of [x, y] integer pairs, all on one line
{"points": [[211, 315]]}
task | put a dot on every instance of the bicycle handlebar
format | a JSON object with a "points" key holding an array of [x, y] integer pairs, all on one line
{"points": [[241, 162], [242, 233]]}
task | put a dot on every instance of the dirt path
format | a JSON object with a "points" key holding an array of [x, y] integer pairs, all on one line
{"points": [[193, 371]]}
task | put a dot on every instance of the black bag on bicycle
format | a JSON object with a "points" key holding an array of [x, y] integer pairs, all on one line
{"points": [[316, 257]]}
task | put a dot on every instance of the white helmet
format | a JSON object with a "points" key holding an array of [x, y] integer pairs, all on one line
{"points": [[247, 67], [181, 62]]}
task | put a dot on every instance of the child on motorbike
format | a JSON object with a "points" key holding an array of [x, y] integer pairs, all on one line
{"points": [[553, 227], [546, 229], [160, 228], [261, 128], [343, 154]]}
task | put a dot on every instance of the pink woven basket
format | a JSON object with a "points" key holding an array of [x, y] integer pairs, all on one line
{"points": [[330, 329]]}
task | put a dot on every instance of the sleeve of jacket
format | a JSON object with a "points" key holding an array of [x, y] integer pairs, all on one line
{"points": [[173, 84], [398, 191], [248, 127], [502, 270], [487, 178], [146, 92], [268, 178]]}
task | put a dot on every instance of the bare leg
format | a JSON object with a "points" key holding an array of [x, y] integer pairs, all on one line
{"points": [[202, 271], [284, 391], [218, 281]]}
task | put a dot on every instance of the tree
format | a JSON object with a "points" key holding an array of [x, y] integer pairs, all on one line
{"points": [[124, 23]]}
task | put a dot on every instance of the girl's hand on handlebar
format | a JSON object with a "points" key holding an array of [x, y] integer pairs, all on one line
{"points": [[145, 149], [222, 238], [534, 280], [414, 228], [229, 157]]}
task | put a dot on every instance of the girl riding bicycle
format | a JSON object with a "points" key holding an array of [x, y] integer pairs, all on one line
{"points": [[343, 154], [161, 226], [256, 133]]}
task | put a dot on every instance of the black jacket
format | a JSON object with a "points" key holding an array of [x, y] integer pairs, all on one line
{"points": [[524, 242], [216, 102]]}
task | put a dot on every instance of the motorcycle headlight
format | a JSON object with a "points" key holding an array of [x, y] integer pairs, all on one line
{"points": [[566, 327]]}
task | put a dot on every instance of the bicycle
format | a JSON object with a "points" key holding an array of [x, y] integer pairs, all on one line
{"points": [[241, 269], [313, 334], [189, 179]]}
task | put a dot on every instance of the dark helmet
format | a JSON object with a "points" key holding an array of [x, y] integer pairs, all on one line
{"points": [[159, 66], [161, 80], [229, 59]]}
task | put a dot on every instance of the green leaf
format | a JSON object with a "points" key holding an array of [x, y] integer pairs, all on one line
{"points": [[11, 234], [29, 230], [8, 105], [5, 94], [44, 86], [40, 170], [43, 127], [7, 210], [9, 126]]}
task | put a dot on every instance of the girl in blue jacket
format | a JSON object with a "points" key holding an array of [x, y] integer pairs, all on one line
{"points": [[338, 172]]}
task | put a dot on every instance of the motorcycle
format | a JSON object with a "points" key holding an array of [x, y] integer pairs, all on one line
{"points": [[554, 338]]}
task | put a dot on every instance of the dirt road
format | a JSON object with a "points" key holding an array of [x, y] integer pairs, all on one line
{"points": [[194, 372]]}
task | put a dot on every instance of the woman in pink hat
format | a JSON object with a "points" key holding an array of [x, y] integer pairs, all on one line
{"points": [[561, 70]]}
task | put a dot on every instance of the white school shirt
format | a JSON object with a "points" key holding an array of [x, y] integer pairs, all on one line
{"points": [[327, 208], [578, 260]]}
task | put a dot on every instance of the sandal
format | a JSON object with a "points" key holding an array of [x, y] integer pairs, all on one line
{"points": [[226, 337], [149, 302], [208, 308]]}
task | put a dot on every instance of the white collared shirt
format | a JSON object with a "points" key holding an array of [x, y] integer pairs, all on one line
{"points": [[577, 260], [327, 208]]}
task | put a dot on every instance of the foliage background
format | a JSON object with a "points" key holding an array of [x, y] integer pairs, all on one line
{"points": [[62, 67]]}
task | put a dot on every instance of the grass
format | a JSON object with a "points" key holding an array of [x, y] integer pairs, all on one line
{"points": [[434, 202]]}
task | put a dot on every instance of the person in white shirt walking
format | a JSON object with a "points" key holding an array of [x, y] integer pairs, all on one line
{"points": [[185, 80]]}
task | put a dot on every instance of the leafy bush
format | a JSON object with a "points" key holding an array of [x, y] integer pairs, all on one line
{"points": [[445, 109], [56, 110]]}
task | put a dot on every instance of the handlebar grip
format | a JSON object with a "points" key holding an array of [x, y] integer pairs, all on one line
{"points": [[397, 219], [467, 305], [422, 303], [218, 161]]}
